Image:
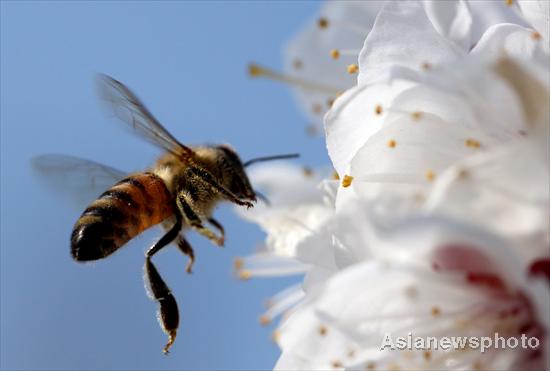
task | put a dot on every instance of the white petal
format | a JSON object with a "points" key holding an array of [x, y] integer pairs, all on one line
{"points": [[403, 38], [452, 20], [538, 14]]}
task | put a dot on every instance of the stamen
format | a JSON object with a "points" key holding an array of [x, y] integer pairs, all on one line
{"points": [[317, 109], [255, 70], [436, 311], [267, 265], [370, 366], [330, 102], [536, 36], [509, 2], [427, 355], [426, 65], [335, 54], [245, 275], [322, 330], [346, 182], [335, 175], [378, 109], [276, 336], [353, 68], [392, 143], [297, 64], [264, 320]]}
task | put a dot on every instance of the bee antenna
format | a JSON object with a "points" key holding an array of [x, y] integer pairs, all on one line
{"points": [[269, 158]]}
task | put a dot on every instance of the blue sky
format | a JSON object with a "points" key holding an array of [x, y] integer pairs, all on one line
{"points": [[187, 61]]}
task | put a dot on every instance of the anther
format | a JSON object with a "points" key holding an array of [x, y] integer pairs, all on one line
{"points": [[335, 54], [509, 2], [322, 23], [297, 64], [330, 102], [244, 275], [535, 35], [436, 311], [335, 175], [353, 68], [472, 143], [337, 364], [238, 264], [427, 355], [430, 175], [416, 115], [265, 320], [322, 330], [317, 109], [346, 182], [307, 171], [378, 109], [426, 65], [392, 143]]}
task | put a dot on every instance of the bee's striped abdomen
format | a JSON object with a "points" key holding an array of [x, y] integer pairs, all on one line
{"points": [[122, 212]]}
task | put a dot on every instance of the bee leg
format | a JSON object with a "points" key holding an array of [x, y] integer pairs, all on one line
{"points": [[206, 177], [186, 248], [168, 313], [220, 228], [194, 221], [167, 238]]}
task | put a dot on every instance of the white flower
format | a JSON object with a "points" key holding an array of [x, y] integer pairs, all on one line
{"points": [[433, 277]]}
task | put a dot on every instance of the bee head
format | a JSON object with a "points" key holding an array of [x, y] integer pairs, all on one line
{"points": [[235, 177]]}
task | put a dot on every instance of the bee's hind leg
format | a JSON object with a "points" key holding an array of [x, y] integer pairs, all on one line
{"points": [[167, 238], [187, 249], [168, 313], [168, 308]]}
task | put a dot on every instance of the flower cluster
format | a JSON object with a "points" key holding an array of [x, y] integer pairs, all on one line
{"points": [[437, 221]]}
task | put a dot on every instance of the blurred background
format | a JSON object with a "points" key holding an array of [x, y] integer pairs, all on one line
{"points": [[187, 61]]}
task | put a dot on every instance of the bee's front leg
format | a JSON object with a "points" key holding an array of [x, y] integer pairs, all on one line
{"points": [[195, 221]]}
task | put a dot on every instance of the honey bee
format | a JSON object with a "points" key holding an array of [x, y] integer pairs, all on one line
{"points": [[178, 192]]}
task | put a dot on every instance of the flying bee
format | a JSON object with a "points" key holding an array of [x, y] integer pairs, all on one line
{"points": [[179, 191]]}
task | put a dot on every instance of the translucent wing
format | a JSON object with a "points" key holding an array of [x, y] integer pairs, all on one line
{"points": [[130, 110], [79, 179]]}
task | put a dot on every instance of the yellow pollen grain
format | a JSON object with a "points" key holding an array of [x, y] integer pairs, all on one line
{"points": [[427, 355], [297, 64], [346, 182], [353, 68], [335, 53], [536, 36], [436, 311], [472, 143], [392, 143], [245, 275], [430, 175], [426, 65], [322, 330], [322, 23], [416, 115], [335, 175], [238, 263], [378, 109], [337, 364], [265, 320]]}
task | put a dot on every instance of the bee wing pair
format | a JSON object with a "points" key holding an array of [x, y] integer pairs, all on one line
{"points": [[84, 179]]}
